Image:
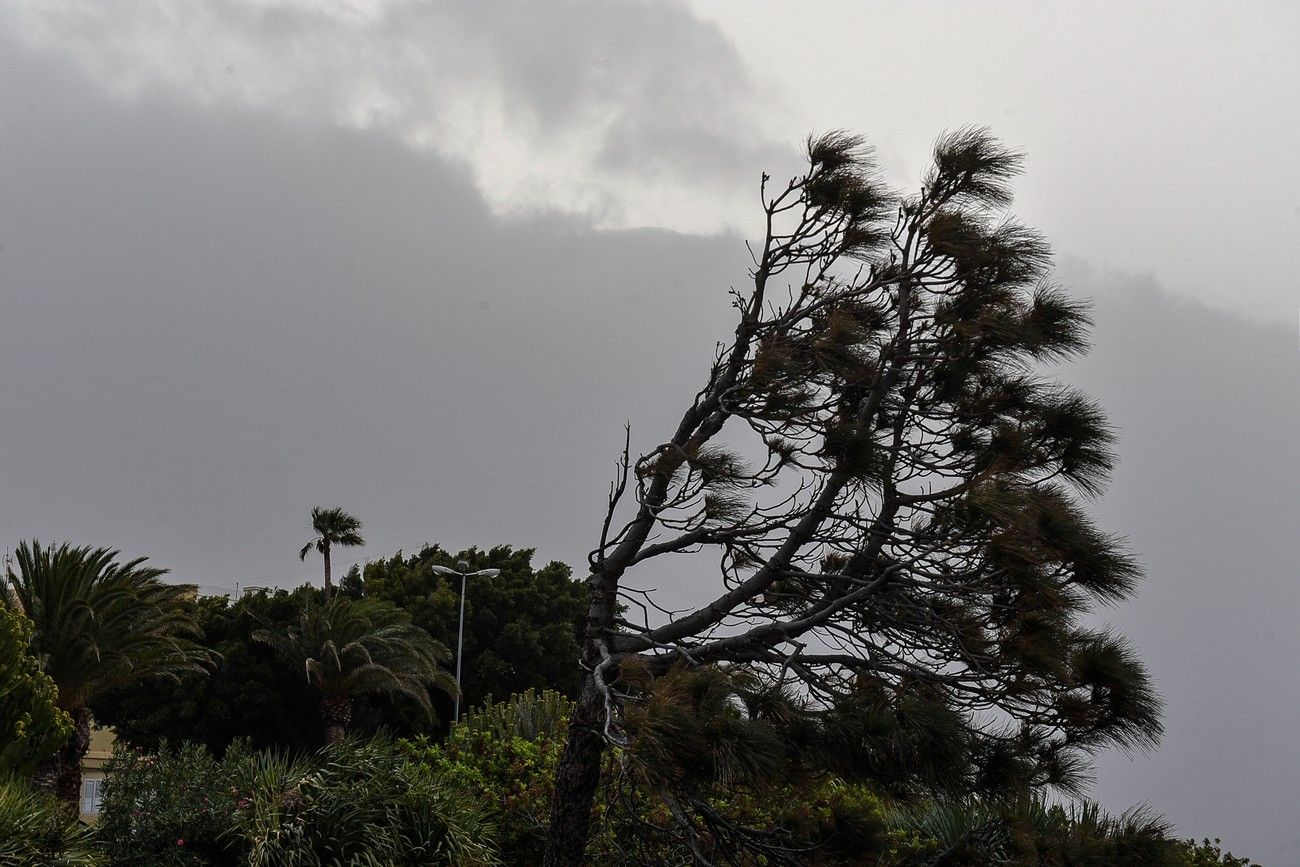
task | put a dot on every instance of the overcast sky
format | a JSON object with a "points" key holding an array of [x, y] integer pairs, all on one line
{"points": [[421, 260]]}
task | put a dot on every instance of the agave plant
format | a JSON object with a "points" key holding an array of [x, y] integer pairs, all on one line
{"points": [[356, 802], [37, 831], [351, 647], [99, 624]]}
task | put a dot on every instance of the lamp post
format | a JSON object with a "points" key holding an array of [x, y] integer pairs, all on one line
{"points": [[462, 570]]}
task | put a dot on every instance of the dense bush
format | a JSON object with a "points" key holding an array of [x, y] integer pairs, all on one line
{"points": [[1210, 854], [355, 802], [483, 797], [510, 751], [172, 808], [36, 830], [248, 694], [31, 724]]}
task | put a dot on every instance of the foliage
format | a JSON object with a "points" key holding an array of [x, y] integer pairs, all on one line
{"points": [[352, 647], [1030, 832], [99, 624], [171, 808], [521, 632], [359, 803], [528, 715], [1210, 854], [886, 488], [509, 751], [37, 830], [521, 627], [32, 726], [332, 527], [249, 694]]}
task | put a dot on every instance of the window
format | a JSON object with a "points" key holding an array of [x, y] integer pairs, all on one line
{"points": [[92, 796]]}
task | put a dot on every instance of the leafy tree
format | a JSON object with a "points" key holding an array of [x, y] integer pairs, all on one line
{"points": [[888, 493], [99, 624], [32, 726], [332, 527], [348, 648], [249, 694], [521, 627], [521, 630]]}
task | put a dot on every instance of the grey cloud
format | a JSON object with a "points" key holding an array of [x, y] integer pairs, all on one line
{"points": [[553, 106], [216, 320]]}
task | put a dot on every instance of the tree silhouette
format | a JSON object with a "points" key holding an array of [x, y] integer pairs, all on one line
{"points": [[886, 490], [332, 527]]}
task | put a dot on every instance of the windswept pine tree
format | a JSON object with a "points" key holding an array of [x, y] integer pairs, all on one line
{"points": [[884, 490]]}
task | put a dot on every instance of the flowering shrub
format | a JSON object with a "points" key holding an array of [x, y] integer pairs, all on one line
{"points": [[172, 808]]}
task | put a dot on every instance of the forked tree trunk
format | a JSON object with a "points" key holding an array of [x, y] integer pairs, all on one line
{"points": [[576, 780], [337, 712], [60, 774]]}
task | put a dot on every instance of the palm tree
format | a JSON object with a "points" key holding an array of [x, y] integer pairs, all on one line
{"points": [[333, 527], [352, 647], [99, 624]]}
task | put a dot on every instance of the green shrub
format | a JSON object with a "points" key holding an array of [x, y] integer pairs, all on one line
{"points": [[357, 803], [172, 808], [31, 724], [1210, 854], [510, 752], [353, 803], [36, 830]]}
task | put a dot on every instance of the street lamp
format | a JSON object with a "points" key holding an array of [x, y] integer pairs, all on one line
{"points": [[462, 570]]}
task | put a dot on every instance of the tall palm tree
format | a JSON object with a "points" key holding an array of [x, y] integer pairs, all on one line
{"points": [[333, 527], [99, 624], [347, 648]]}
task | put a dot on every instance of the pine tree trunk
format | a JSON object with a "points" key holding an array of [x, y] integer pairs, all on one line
{"points": [[60, 774], [329, 585], [576, 780], [337, 711]]}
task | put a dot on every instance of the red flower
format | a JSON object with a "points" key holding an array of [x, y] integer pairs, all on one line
{"points": [[180, 841]]}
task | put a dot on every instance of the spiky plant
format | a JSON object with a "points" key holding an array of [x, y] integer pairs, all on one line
{"points": [[332, 527], [36, 830], [99, 624], [347, 648], [356, 802]]}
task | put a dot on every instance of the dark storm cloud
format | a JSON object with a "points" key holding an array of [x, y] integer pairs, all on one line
{"points": [[551, 105], [214, 319]]}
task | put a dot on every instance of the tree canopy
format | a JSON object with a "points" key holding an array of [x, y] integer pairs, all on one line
{"points": [[521, 631], [333, 527], [521, 627], [349, 648], [99, 624], [887, 492]]}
